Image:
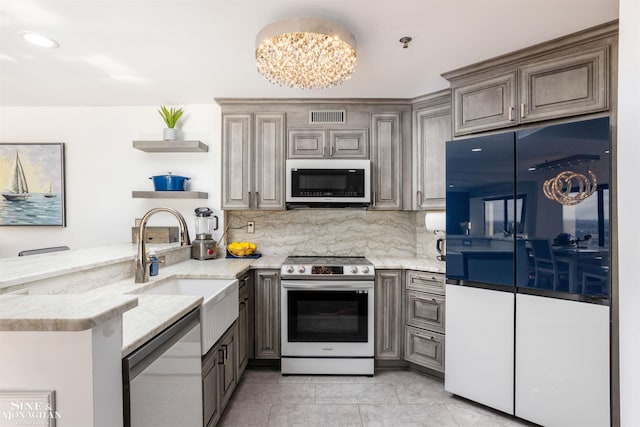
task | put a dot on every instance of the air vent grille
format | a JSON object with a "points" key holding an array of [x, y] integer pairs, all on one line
{"points": [[327, 117]]}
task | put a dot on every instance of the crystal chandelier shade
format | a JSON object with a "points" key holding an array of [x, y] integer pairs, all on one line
{"points": [[306, 53]]}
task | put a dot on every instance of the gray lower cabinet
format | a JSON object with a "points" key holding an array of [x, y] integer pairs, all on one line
{"points": [[565, 77], [388, 315], [386, 161], [267, 314], [253, 157], [219, 376], [227, 359], [328, 143], [243, 325], [432, 130], [210, 395], [424, 339]]}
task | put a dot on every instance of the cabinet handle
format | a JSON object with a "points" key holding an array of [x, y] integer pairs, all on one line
{"points": [[433, 300], [430, 338], [324, 150], [373, 198], [418, 198], [522, 114], [220, 357], [257, 199], [333, 150], [510, 114], [249, 199]]}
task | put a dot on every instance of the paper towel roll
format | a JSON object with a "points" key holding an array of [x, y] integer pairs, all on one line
{"points": [[436, 221]]}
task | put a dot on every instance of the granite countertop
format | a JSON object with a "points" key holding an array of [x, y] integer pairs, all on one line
{"points": [[144, 316], [60, 312]]}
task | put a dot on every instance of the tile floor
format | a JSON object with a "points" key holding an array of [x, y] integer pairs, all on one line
{"points": [[390, 398]]}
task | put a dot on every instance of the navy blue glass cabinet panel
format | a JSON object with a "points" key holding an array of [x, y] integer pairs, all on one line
{"points": [[482, 209], [565, 230]]}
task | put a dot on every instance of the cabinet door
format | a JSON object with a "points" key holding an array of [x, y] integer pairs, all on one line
{"points": [[480, 346], [425, 310], [268, 181], [348, 144], [574, 84], [562, 355], [386, 161], [388, 314], [236, 173], [306, 144], [267, 314], [210, 397], [433, 130], [227, 365], [486, 104], [424, 348], [243, 335]]}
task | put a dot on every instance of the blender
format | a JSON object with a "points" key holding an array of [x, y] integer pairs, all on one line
{"points": [[204, 247]]}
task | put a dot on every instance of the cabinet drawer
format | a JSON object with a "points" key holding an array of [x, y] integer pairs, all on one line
{"points": [[425, 282], [425, 310], [424, 348]]}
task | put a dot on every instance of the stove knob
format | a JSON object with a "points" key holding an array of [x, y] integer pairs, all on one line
{"points": [[301, 269], [365, 269], [210, 251], [354, 269], [289, 269]]}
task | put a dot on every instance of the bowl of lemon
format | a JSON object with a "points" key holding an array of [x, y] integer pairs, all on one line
{"points": [[242, 250]]}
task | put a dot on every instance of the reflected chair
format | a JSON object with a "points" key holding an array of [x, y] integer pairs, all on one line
{"points": [[546, 266]]}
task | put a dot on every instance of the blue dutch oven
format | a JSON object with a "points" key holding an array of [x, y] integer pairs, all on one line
{"points": [[169, 182]]}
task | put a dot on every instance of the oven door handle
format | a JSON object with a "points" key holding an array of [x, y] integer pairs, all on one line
{"points": [[320, 285]]}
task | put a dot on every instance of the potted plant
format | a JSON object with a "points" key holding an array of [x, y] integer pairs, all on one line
{"points": [[170, 117]]}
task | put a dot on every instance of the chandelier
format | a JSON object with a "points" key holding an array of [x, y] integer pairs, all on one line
{"points": [[306, 53], [562, 187]]}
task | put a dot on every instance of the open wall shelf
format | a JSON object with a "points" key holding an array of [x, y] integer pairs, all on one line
{"points": [[171, 146]]}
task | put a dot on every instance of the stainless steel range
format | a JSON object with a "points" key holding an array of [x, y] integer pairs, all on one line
{"points": [[327, 315]]}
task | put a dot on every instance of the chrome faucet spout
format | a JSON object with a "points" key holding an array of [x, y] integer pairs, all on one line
{"points": [[142, 260]]}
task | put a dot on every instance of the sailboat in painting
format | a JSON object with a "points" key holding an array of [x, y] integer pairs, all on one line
{"points": [[49, 194], [17, 190]]}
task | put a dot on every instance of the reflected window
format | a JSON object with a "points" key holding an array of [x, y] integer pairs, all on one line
{"points": [[499, 218], [589, 217]]}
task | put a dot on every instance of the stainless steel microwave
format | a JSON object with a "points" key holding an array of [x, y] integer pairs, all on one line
{"points": [[328, 183]]}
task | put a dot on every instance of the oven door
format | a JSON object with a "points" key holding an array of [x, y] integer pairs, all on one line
{"points": [[327, 318]]}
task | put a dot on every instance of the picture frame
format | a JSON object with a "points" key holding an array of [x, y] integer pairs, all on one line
{"points": [[32, 184]]}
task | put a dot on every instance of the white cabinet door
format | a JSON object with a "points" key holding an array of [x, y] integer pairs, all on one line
{"points": [[562, 362], [479, 356]]}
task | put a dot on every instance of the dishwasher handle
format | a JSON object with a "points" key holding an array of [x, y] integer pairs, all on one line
{"points": [[320, 285]]}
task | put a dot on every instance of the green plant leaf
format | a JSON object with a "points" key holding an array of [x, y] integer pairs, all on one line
{"points": [[170, 115]]}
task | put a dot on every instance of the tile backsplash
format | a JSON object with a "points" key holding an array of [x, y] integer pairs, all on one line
{"points": [[334, 232]]}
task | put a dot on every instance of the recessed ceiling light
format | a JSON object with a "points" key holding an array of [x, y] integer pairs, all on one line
{"points": [[606, 151], [532, 168], [39, 40], [451, 185], [476, 149]]}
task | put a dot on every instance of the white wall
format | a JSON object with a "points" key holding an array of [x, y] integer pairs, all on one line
{"points": [[628, 208], [102, 169]]}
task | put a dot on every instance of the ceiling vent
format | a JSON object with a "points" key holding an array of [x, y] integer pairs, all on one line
{"points": [[333, 117]]}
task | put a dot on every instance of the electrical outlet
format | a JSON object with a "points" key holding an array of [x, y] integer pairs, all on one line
{"points": [[251, 227]]}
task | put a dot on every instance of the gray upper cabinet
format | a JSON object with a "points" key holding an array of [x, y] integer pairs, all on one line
{"points": [[253, 161], [388, 315], [486, 104], [432, 129], [237, 137], [575, 84], [565, 77], [331, 144], [386, 161]]}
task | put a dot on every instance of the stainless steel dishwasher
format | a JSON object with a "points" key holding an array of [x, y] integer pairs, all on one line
{"points": [[162, 380]]}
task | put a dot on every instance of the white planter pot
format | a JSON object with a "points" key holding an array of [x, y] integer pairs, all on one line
{"points": [[169, 134]]}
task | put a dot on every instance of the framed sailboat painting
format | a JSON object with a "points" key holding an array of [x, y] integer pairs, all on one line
{"points": [[32, 190]]}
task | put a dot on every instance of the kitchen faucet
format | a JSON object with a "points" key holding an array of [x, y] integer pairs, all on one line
{"points": [[142, 260]]}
